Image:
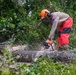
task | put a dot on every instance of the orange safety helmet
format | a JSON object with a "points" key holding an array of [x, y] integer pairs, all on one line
{"points": [[44, 13]]}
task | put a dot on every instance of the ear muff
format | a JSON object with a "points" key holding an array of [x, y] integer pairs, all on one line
{"points": [[46, 13]]}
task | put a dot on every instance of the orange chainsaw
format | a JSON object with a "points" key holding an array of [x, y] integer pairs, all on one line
{"points": [[49, 44]]}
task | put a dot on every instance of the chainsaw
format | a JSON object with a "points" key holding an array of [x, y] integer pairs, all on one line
{"points": [[49, 45]]}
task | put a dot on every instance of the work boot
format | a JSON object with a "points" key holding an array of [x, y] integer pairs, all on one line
{"points": [[66, 47], [63, 47]]}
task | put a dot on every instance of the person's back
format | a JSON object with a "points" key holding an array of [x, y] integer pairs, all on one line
{"points": [[62, 16]]}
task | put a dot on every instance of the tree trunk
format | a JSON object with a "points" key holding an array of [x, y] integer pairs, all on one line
{"points": [[29, 56], [23, 54]]}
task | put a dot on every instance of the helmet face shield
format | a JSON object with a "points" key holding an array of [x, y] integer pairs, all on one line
{"points": [[46, 20]]}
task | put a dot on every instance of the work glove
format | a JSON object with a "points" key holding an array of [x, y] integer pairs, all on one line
{"points": [[48, 42]]}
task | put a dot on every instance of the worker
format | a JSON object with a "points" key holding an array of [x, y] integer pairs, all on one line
{"points": [[61, 21]]}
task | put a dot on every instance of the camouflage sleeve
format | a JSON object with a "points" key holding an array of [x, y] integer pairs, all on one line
{"points": [[54, 26]]}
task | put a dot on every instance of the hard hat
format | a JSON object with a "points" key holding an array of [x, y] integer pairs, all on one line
{"points": [[44, 13]]}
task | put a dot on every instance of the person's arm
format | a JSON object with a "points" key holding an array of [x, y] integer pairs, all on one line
{"points": [[54, 26]]}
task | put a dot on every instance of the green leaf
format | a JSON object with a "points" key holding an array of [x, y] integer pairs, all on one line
{"points": [[5, 71]]}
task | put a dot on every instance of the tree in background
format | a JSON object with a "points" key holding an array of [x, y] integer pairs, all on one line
{"points": [[19, 19]]}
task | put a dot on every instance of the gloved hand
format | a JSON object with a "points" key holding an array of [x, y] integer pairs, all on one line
{"points": [[48, 42]]}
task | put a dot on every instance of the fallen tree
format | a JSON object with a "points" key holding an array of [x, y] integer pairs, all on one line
{"points": [[23, 54], [29, 56]]}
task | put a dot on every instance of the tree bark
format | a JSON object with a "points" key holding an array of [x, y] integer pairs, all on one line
{"points": [[29, 56], [23, 54]]}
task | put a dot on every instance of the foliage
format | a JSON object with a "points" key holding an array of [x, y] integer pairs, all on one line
{"points": [[17, 24], [43, 66], [21, 25]]}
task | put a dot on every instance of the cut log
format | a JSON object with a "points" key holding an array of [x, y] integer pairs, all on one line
{"points": [[29, 56], [23, 54]]}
